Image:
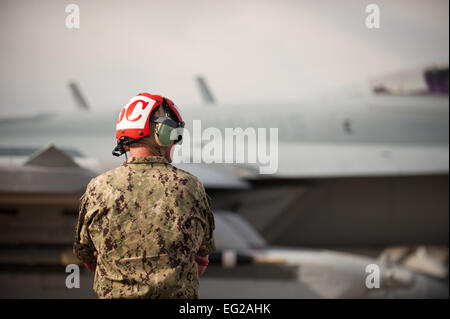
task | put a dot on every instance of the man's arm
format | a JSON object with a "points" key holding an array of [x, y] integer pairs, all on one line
{"points": [[83, 247], [208, 244], [201, 203]]}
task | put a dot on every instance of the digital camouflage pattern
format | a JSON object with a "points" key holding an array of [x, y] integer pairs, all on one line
{"points": [[147, 221]]}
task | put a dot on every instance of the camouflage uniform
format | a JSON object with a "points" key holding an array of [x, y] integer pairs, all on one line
{"points": [[147, 221]]}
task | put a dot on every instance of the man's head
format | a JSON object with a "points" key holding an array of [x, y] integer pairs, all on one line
{"points": [[152, 144], [148, 124]]}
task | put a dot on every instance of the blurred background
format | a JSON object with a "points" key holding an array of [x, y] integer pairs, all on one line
{"points": [[362, 118]]}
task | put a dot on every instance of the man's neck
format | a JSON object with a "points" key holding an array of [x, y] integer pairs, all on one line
{"points": [[143, 152]]}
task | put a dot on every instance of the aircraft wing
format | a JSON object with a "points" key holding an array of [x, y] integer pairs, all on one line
{"points": [[315, 160]]}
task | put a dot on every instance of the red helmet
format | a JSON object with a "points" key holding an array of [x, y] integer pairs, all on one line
{"points": [[134, 118]]}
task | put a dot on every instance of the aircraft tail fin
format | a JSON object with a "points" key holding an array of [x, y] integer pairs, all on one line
{"points": [[78, 96], [205, 91]]}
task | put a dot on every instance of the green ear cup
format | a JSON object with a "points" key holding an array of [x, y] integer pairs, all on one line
{"points": [[164, 134]]}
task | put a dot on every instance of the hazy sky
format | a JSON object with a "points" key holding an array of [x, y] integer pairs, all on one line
{"points": [[249, 51]]}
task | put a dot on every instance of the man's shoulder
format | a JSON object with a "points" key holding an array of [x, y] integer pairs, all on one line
{"points": [[184, 177], [104, 179], [167, 175], [175, 173]]}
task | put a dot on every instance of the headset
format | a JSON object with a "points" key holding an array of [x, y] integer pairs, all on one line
{"points": [[164, 130]]}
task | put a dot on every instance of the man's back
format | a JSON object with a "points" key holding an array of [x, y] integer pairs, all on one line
{"points": [[147, 220]]}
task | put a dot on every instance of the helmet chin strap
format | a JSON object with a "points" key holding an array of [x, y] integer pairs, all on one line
{"points": [[161, 151], [119, 149]]}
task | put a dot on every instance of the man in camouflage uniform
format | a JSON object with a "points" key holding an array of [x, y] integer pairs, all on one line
{"points": [[146, 226]]}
